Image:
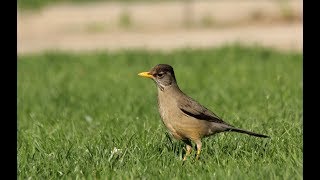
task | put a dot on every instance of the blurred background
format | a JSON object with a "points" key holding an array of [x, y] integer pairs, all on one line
{"points": [[81, 25]]}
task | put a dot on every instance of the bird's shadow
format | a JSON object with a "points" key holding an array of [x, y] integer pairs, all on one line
{"points": [[177, 147]]}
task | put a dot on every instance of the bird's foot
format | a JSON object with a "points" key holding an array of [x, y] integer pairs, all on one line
{"points": [[187, 154], [198, 154]]}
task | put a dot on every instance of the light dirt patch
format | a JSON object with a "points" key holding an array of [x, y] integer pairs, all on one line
{"points": [[160, 26]]}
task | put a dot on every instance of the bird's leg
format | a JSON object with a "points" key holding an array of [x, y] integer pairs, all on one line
{"points": [[199, 144], [188, 149]]}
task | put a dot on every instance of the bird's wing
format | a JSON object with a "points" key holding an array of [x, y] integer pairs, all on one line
{"points": [[192, 108]]}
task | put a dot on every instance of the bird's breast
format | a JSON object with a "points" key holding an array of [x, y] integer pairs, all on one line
{"points": [[167, 108], [169, 114]]}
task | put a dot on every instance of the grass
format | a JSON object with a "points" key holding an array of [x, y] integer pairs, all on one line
{"points": [[125, 19], [208, 20], [38, 4], [89, 116], [287, 11]]}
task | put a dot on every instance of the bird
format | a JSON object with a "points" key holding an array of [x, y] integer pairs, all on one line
{"points": [[186, 119]]}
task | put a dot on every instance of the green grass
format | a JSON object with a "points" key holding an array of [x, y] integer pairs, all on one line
{"points": [[75, 109], [38, 4]]}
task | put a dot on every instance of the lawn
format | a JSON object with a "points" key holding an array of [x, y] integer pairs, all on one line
{"points": [[90, 116]]}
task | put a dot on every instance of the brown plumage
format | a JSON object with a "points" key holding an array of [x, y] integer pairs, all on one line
{"points": [[185, 118]]}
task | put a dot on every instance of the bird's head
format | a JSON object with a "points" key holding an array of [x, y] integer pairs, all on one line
{"points": [[162, 75]]}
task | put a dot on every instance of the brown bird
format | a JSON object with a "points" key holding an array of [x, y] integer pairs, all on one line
{"points": [[185, 118]]}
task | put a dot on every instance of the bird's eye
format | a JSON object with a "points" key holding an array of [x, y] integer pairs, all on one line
{"points": [[160, 75]]}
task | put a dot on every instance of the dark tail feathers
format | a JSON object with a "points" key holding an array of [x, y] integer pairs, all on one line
{"points": [[248, 132]]}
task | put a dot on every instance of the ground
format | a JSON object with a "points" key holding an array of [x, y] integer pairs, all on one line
{"points": [[162, 25]]}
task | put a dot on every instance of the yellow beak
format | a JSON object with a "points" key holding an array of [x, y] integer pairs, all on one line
{"points": [[145, 74]]}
